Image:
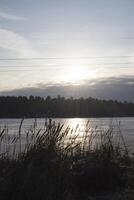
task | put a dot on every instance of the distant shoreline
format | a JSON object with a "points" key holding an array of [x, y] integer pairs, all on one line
{"points": [[60, 107], [33, 117]]}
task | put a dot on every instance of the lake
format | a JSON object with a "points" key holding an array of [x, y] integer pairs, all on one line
{"points": [[125, 124]]}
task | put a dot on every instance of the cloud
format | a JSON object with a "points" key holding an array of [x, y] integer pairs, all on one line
{"points": [[12, 41], [13, 17], [120, 88]]}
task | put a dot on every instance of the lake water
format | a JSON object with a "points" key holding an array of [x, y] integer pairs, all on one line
{"points": [[126, 125]]}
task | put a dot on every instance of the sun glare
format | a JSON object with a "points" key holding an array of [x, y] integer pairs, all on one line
{"points": [[77, 73]]}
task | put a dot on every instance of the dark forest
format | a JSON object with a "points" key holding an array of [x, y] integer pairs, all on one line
{"points": [[22, 106]]}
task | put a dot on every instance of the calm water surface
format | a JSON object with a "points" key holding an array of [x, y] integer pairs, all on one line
{"points": [[126, 125]]}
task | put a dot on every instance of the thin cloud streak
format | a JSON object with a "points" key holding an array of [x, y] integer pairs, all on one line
{"points": [[13, 41], [7, 16]]}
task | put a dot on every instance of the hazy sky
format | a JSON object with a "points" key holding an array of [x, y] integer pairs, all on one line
{"points": [[65, 42]]}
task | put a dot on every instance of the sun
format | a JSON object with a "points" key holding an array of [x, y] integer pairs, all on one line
{"points": [[76, 73]]}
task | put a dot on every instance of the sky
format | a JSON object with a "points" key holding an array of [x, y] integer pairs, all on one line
{"points": [[67, 47]]}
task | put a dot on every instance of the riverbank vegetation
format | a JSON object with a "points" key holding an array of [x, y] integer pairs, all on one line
{"points": [[60, 107], [57, 163]]}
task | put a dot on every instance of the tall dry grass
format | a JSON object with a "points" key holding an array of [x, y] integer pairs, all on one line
{"points": [[56, 163]]}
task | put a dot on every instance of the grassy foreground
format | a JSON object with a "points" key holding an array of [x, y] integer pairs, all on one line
{"points": [[56, 164]]}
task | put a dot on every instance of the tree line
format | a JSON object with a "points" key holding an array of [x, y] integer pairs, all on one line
{"points": [[22, 106]]}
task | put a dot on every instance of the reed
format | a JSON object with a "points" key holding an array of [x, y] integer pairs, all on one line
{"points": [[56, 163]]}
